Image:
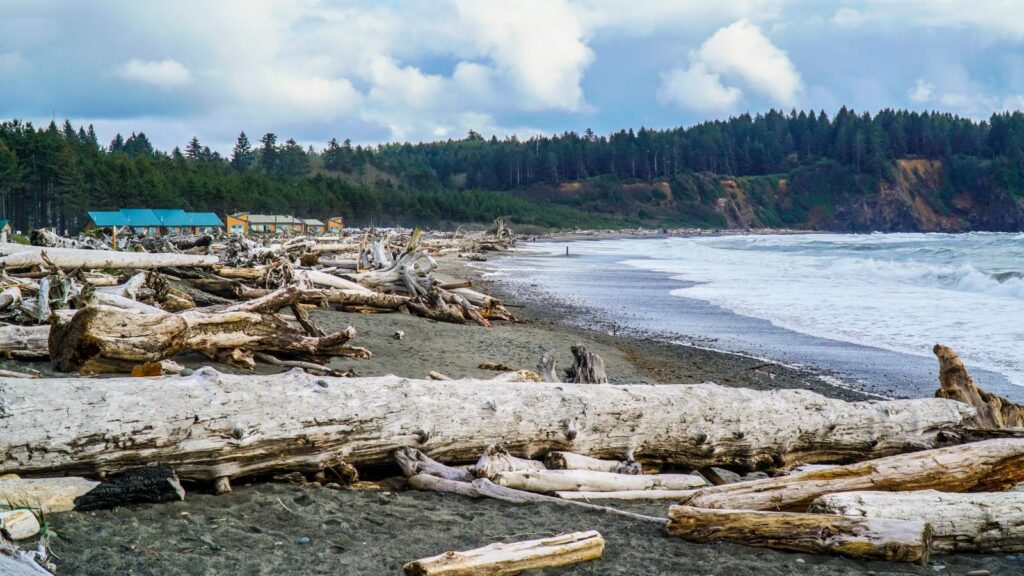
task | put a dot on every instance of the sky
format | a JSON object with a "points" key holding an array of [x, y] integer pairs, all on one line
{"points": [[417, 70]]}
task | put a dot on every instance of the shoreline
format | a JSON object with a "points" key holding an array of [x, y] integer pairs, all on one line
{"points": [[652, 304], [265, 527]]}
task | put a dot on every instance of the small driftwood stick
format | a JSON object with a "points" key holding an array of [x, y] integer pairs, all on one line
{"points": [[558, 460], [413, 462], [590, 481], [496, 460], [506, 559]]}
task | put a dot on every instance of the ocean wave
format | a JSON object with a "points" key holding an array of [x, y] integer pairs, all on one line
{"points": [[963, 278]]}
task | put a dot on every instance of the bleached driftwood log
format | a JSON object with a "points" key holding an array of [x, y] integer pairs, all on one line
{"points": [[956, 384], [985, 522], [19, 524], [105, 339], [570, 461], [413, 462], [590, 481], [25, 342], [496, 459], [17, 256], [514, 557], [209, 424], [990, 465], [429, 483], [676, 495], [876, 538], [63, 494]]}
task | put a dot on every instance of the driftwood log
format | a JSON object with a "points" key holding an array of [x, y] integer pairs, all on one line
{"points": [[570, 461], [514, 557], [19, 524], [25, 342], [875, 538], [105, 339], [956, 384], [63, 494], [985, 522], [592, 481], [207, 424], [18, 256], [991, 465]]}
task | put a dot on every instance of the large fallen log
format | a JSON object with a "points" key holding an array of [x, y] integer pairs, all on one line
{"points": [[985, 522], [17, 256], [101, 339], [876, 538], [512, 558], [209, 424], [980, 466], [956, 384]]}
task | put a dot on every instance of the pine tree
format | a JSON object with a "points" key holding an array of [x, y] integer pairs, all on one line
{"points": [[242, 154]]}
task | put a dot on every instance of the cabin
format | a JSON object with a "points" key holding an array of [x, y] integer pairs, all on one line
{"points": [[159, 222], [312, 226], [236, 225], [335, 225], [265, 223]]}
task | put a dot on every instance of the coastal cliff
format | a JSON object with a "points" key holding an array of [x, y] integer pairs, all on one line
{"points": [[911, 195]]}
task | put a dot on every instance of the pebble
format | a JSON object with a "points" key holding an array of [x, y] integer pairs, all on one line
{"points": [[979, 573], [800, 560], [322, 383], [187, 372], [303, 540]]}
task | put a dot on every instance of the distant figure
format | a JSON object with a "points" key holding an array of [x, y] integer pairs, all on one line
{"points": [[566, 250]]}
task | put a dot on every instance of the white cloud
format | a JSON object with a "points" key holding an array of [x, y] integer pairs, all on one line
{"points": [[740, 49], [695, 88], [738, 52], [922, 91], [538, 44], [406, 85], [849, 17], [167, 73]]}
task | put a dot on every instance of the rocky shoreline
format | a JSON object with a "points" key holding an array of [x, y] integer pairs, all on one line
{"points": [[277, 527]]}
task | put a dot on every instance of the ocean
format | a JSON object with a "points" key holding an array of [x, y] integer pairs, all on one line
{"points": [[867, 307]]}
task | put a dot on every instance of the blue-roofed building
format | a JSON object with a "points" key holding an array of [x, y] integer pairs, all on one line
{"points": [[160, 221], [6, 230]]}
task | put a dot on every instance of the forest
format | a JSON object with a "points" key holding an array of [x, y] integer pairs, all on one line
{"points": [[801, 169]]}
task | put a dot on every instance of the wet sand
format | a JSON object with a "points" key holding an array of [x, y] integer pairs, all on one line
{"points": [[260, 528]]}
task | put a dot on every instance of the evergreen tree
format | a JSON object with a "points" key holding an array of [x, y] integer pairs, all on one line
{"points": [[242, 154]]}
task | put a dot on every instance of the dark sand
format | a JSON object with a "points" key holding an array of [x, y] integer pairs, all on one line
{"points": [[256, 529]]}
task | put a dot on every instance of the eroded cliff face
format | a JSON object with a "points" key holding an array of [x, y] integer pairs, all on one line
{"points": [[917, 197]]}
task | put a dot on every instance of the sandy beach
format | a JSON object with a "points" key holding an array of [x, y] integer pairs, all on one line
{"points": [[268, 527]]}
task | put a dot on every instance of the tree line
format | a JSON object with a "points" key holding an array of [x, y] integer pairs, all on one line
{"points": [[50, 176]]}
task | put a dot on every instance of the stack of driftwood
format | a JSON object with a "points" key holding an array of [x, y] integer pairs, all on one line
{"points": [[893, 479], [91, 309]]}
